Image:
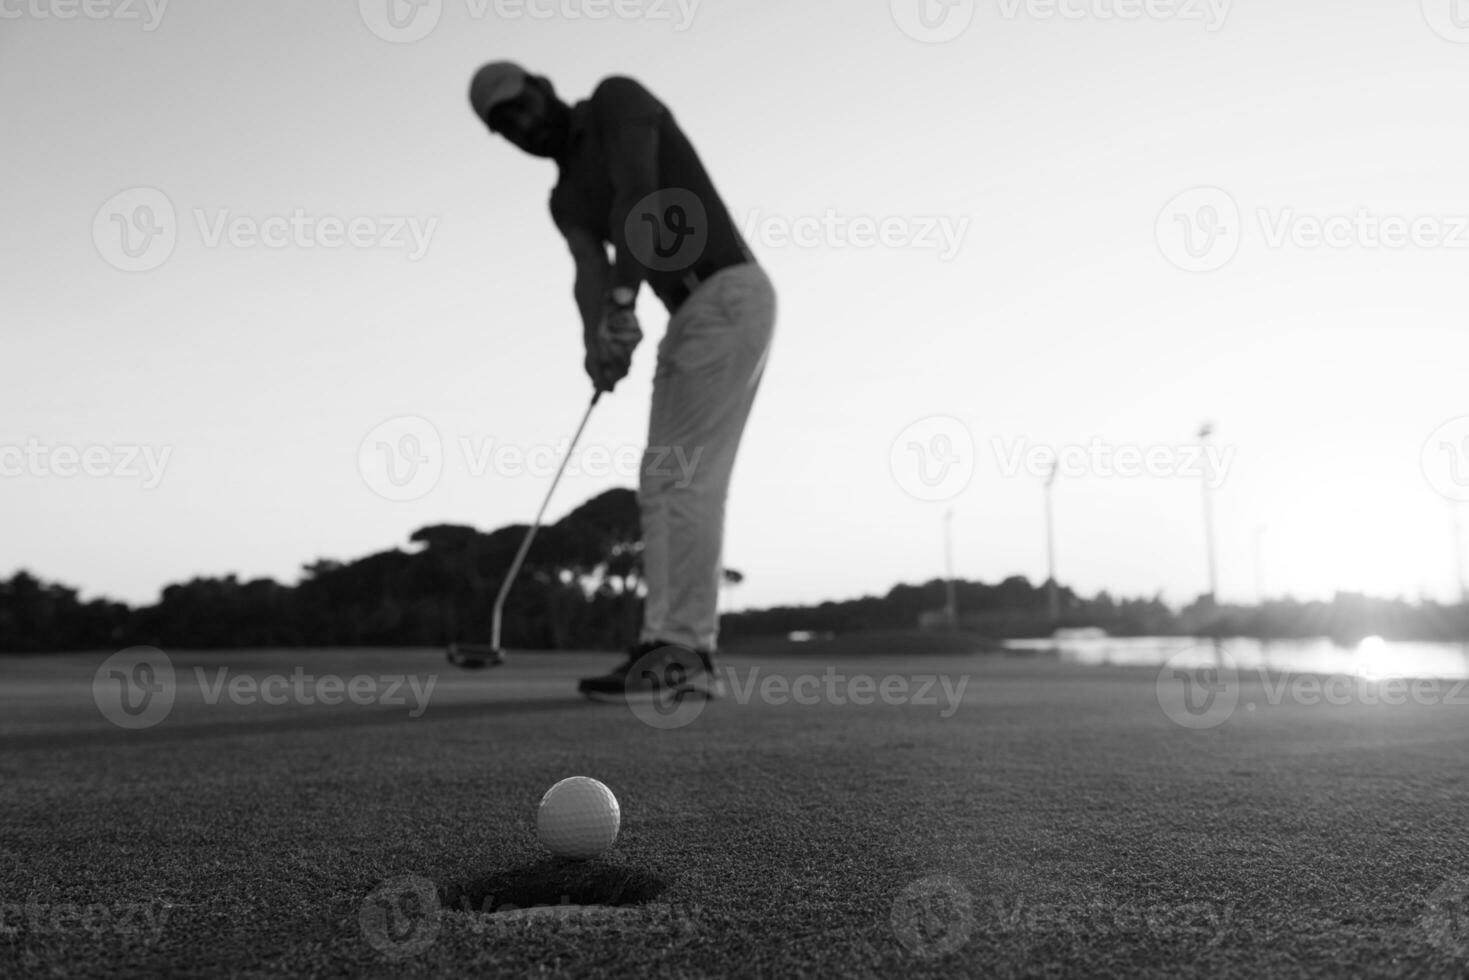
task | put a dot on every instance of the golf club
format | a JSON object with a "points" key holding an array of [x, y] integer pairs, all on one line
{"points": [[474, 656]]}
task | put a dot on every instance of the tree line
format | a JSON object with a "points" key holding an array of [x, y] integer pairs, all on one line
{"points": [[581, 588]]}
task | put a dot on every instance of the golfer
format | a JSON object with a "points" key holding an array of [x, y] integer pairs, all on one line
{"points": [[629, 178]]}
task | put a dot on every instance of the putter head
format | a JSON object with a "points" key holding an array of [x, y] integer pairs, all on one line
{"points": [[474, 656]]}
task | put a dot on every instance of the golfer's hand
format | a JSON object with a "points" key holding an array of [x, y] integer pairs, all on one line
{"points": [[610, 348]]}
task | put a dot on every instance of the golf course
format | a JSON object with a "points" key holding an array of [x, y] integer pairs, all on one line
{"points": [[372, 813]]}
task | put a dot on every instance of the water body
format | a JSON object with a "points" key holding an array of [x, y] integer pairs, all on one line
{"points": [[1373, 658]]}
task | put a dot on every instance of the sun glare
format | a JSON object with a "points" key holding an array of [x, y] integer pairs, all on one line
{"points": [[1374, 535]]}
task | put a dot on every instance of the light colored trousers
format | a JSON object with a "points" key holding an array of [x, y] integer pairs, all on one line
{"points": [[709, 367]]}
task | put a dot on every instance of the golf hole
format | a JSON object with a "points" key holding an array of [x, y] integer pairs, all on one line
{"points": [[552, 890]]}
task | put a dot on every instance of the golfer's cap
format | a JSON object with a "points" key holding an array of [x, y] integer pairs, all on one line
{"points": [[496, 82]]}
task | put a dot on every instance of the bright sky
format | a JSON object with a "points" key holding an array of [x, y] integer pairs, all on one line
{"points": [[1058, 315]]}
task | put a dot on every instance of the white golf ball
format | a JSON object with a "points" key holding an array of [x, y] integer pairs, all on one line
{"points": [[578, 818]]}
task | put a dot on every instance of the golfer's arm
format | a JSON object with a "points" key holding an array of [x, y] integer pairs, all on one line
{"points": [[593, 275], [634, 177]]}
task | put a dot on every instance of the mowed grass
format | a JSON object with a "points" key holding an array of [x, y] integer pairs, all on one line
{"points": [[1056, 823]]}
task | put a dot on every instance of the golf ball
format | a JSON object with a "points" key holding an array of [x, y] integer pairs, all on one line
{"points": [[578, 818]]}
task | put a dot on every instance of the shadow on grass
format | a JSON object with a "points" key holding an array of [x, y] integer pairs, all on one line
{"points": [[552, 882]]}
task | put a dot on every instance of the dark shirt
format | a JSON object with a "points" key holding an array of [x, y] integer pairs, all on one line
{"points": [[685, 229]]}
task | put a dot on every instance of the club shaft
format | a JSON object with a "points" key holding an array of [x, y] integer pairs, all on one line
{"points": [[530, 535]]}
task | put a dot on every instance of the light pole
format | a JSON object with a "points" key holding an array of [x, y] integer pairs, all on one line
{"points": [[951, 605], [1458, 510], [1053, 599], [1204, 433], [1259, 564]]}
